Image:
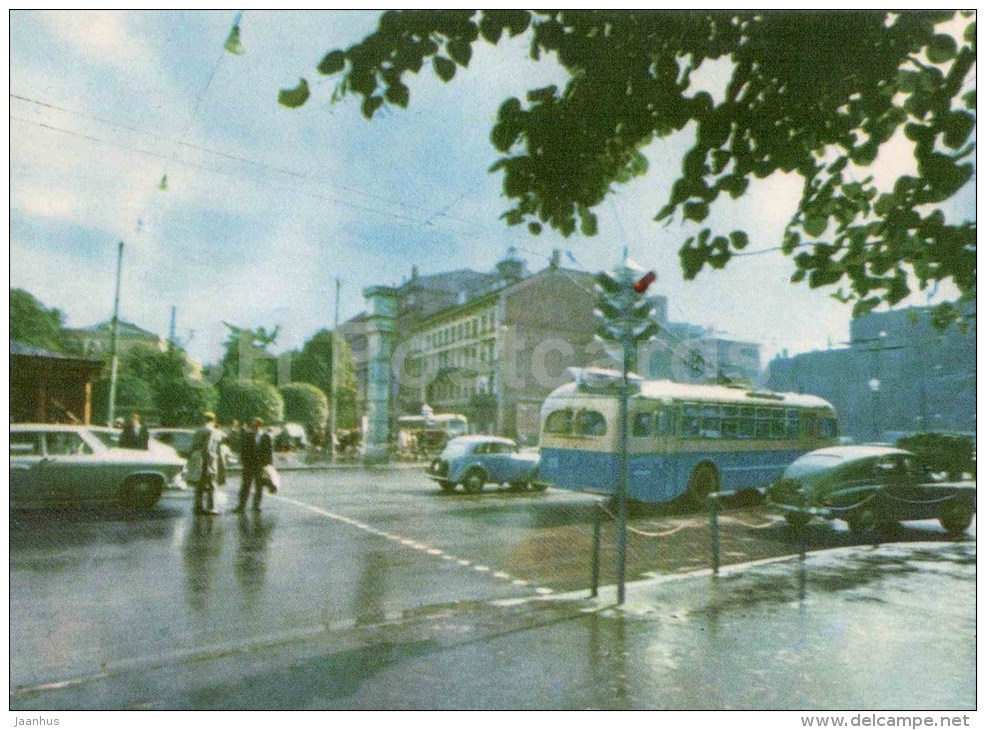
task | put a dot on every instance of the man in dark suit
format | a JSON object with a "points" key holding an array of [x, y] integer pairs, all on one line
{"points": [[134, 434], [256, 452]]}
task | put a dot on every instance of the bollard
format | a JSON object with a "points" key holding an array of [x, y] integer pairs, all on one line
{"points": [[596, 529], [714, 529]]}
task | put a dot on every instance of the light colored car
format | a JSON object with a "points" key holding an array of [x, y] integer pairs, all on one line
{"points": [[474, 461], [111, 437], [54, 465], [869, 486]]}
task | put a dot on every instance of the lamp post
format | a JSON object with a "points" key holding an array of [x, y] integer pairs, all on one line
{"points": [[114, 330]]}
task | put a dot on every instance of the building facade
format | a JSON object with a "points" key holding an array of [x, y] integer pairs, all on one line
{"points": [[897, 375], [493, 345]]}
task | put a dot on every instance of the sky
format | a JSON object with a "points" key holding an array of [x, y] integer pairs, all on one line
{"points": [[266, 207]]}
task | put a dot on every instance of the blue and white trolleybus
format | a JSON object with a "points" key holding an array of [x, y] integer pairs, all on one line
{"points": [[682, 439]]}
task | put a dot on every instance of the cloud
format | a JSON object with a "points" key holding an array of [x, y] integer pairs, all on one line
{"points": [[46, 203], [104, 35]]}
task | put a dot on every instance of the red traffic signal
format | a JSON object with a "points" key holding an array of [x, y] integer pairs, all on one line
{"points": [[640, 286]]}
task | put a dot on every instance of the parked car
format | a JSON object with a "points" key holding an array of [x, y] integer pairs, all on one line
{"points": [[111, 438], [180, 439], [869, 486], [474, 461], [55, 465]]}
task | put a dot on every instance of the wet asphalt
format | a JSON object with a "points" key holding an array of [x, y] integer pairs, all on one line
{"points": [[369, 590]]}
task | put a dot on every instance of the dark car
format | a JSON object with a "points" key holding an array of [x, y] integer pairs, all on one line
{"points": [[869, 486], [474, 461]]}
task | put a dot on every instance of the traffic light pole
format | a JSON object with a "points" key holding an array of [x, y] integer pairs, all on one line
{"points": [[622, 485], [626, 319]]}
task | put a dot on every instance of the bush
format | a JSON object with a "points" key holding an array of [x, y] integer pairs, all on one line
{"points": [[941, 452], [245, 401], [305, 403]]}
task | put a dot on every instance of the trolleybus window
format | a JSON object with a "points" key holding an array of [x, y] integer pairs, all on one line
{"points": [[667, 420], [642, 424], [559, 422], [590, 423]]}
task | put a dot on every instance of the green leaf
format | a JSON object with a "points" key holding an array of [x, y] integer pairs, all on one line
{"points": [[398, 94], [942, 49], [815, 226], [370, 105], [696, 211], [739, 240], [333, 63], [535, 228], [958, 126], [589, 223], [444, 68], [460, 50], [293, 98]]}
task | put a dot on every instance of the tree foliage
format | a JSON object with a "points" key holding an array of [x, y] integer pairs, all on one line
{"points": [[305, 403], [178, 397], [246, 401], [32, 323], [313, 363], [818, 94]]}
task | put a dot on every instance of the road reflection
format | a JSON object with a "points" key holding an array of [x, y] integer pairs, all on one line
{"points": [[201, 551]]}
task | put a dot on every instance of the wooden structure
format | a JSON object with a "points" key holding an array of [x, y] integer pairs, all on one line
{"points": [[48, 387]]}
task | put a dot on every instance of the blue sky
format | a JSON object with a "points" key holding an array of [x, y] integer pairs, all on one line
{"points": [[266, 206]]}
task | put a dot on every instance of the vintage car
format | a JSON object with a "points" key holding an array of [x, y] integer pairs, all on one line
{"points": [[869, 486], [54, 465], [474, 461]]}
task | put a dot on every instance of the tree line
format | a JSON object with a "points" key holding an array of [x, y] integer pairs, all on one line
{"points": [[169, 388]]}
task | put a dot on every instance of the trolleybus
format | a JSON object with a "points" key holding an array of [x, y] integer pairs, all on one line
{"points": [[682, 439]]}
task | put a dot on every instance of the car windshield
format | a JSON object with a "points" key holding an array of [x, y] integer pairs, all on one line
{"points": [[811, 464]]}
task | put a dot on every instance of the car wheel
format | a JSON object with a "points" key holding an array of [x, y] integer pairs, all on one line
{"points": [[141, 493], [797, 519], [703, 482], [887, 528], [860, 520], [537, 486], [955, 517], [446, 486], [474, 482]]}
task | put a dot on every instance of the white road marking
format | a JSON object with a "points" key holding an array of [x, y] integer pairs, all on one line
{"points": [[415, 545]]}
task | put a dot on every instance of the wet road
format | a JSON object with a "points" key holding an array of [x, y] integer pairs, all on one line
{"points": [[110, 609]]}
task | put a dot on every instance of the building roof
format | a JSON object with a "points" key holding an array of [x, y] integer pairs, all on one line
{"points": [[25, 350], [126, 329]]}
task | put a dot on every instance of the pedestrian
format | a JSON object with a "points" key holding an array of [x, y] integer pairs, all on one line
{"points": [[134, 434], [206, 464], [233, 434], [256, 452]]}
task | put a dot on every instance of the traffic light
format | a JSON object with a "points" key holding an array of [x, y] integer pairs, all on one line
{"points": [[626, 316]]}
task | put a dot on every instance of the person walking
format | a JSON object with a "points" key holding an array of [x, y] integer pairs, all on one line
{"points": [[206, 453], [256, 452], [135, 435]]}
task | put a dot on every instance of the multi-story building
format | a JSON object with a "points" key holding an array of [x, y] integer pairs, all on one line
{"points": [[492, 345], [898, 374]]}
